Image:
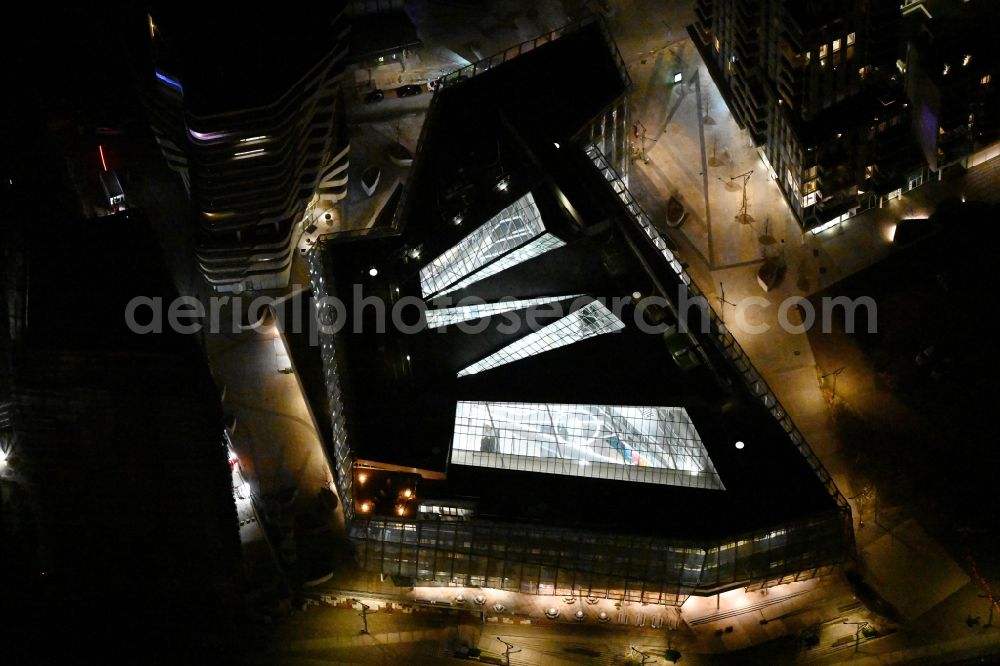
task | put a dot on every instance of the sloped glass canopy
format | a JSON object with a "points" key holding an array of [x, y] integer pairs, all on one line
{"points": [[638, 444], [590, 320], [514, 235], [446, 316]]}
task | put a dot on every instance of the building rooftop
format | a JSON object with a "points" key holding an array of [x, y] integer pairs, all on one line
{"points": [[587, 419]]}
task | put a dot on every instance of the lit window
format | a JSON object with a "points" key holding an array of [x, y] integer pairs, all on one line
{"points": [[947, 68], [850, 39], [869, 171], [809, 187], [170, 81], [823, 50], [836, 45], [246, 154], [589, 321], [986, 79], [966, 60], [718, 45], [808, 56], [639, 444]]}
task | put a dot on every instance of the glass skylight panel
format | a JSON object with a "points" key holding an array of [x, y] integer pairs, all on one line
{"points": [[514, 226], [590, 320], [446, 316], [537, 247], [640, 444]]}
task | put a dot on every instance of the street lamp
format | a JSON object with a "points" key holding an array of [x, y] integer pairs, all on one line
{"points": [[364, 614], [834, 374], [861, 626], [742, 217], [509, 651], [641, 654], [723, 302]]}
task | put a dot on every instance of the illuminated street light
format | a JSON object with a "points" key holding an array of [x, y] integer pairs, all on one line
{"points": [[644, 656], [365, 507], [510, 649], [362, 477], [740, 445], [407, 493], [373, 271], [364, 614], [862, 627]]}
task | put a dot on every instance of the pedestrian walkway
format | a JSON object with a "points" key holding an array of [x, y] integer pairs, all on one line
{"points": [[370, 640], [698, 158]]}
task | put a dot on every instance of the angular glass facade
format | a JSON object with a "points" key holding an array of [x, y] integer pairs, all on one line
{"points": [[540, 559], [637, 444], [455, 541], [446, 316], [535, 248], [516, 225], [590, 320]]}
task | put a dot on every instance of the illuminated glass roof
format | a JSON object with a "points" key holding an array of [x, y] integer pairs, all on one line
{"points": [[445, 316], [515, 226], [590, 320], [638, 444], [539, 246]]}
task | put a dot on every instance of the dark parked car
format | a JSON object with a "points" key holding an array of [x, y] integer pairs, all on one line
{"points": [[374, 96], [409, 91]]}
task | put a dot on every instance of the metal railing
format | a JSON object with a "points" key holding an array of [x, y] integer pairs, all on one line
{"points": [[719, 333]]}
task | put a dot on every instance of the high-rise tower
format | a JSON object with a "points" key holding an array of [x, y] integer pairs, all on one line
{"points": [[246, 107]]}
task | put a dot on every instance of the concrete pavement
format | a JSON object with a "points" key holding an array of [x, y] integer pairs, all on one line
{"points": [[696, 147]]}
